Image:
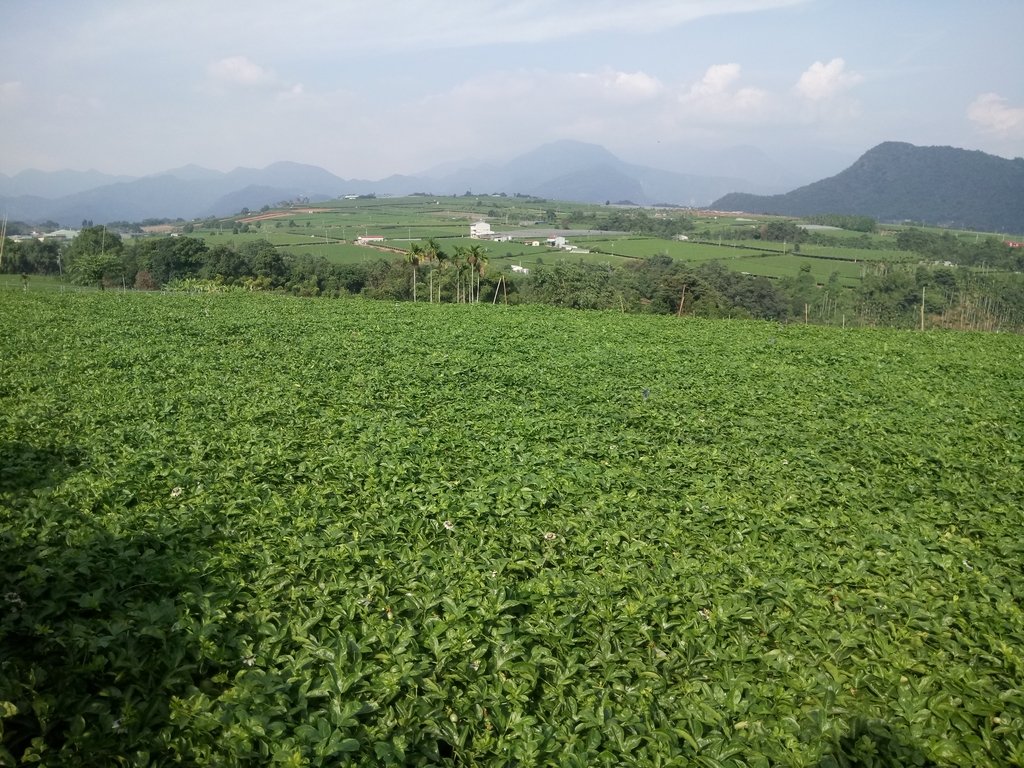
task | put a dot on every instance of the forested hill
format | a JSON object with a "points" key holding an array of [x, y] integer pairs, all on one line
{"points": [[896, 181]]}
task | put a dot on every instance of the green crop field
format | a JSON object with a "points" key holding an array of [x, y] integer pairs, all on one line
{"points": [[645, 247], [328, 229], [245, 529], [789, 265], [858, 254]]}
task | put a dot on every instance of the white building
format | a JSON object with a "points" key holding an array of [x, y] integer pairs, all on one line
{"points": [[521, 269], [60, 234], [556, 242], [480, 230]]}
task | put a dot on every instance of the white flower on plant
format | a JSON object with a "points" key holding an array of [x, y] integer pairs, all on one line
{"points": [[550, 536], [705, 613], [449, 525], [176, 491], [249, 660]]}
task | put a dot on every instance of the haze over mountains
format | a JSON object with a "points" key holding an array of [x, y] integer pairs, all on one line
{"points": [[893, 181], [565, 170]]}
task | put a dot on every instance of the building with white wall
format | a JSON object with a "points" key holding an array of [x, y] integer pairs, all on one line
{"points": [[480, 230]]}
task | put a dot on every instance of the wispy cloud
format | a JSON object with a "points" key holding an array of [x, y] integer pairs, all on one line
{"points": [[993, 114], [339, 28], [545, 20]]}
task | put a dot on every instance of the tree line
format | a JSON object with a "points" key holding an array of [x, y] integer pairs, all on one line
{"points": [[888, 295]]}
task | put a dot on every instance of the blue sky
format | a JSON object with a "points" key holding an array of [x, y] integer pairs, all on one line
{"points": [[367, 89]]}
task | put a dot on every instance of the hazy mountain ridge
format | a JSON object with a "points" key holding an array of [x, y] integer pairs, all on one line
{"points": [[895, 181], [188, 192], [588, 173], [564, 170], [52, 184]]}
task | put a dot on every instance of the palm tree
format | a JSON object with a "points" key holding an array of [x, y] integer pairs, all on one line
{"points": [[481, 267], [476, 259], [459, 260], [414, 257], [433, 252]]}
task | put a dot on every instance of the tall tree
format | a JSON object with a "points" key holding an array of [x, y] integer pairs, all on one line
{"points": [[477, 260], [459, 262], [95, 255], [436, 255], [414, 257]]}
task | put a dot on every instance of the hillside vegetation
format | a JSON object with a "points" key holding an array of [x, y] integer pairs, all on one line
{"points": [[245, 529], [895, 182]]}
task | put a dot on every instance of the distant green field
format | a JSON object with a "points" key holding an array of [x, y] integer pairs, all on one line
{"points": [[329, 229], [642, 248], [298, 242], [858, 254], [789, 266]]}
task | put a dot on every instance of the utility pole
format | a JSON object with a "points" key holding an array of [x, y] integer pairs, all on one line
{"points": [[3, 239]]}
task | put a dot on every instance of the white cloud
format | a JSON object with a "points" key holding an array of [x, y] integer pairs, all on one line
{"points": [[715, 92], [620, 86], [240, 71], [823, 81], [993, 114], [716, 80]]}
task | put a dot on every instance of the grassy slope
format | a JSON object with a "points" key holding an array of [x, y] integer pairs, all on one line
{"points": [[228, 513]]}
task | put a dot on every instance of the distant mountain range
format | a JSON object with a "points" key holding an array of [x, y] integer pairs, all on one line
{"points": [[564, 170], [895, 181]]}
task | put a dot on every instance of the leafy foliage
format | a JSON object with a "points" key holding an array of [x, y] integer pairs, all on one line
{"points": [[240, 529], [641, 222]]}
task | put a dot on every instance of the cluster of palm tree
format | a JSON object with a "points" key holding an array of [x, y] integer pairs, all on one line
{"points": [[468, 264]]}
